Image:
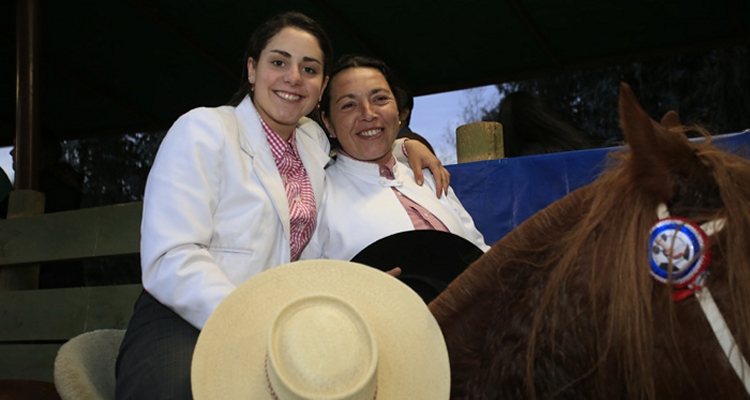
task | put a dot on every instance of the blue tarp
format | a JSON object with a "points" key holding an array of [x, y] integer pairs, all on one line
{"points": [[501, 194]]}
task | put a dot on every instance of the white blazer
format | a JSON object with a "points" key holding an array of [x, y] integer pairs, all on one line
{"points": [[359, 207], [215, 211]]}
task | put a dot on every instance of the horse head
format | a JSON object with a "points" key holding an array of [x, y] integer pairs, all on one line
{"points": [[565, 305]]}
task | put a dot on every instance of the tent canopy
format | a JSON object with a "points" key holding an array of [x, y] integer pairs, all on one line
{"points": [[135, 65]]}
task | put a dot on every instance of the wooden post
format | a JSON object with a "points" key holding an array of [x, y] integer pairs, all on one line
{"points": [[27, 95], [479, 141], [25, 200]]}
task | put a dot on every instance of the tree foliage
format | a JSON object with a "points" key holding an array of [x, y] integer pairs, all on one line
{"points": [[711, 89], [115, 168]]}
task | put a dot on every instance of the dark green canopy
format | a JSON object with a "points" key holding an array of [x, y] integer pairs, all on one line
{"points": [[135, 65]]}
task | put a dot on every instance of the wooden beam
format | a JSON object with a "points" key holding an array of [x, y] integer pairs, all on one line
{"points": [[35, 323], [22, 204], [91, 232], [56, 315], [19, 361]]}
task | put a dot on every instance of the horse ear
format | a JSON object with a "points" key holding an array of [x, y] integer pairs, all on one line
{"points": [[647, 165], [671, 120], [674, 131]]}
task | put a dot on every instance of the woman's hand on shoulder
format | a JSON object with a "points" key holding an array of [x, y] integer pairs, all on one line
{"points": [[421, 157]]}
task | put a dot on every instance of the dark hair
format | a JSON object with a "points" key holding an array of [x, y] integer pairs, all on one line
{"points": [[266, 31], [354, 61], [530, 128], [404, 98], [405, 101]]}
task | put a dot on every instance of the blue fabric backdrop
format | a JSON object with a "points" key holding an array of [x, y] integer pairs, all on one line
{"points": [[501, 194]]}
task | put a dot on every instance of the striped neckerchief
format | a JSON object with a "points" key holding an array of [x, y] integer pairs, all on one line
{"points": [[299, 192]]}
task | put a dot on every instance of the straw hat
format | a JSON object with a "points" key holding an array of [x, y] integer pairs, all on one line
{"points": [[321, 329]]}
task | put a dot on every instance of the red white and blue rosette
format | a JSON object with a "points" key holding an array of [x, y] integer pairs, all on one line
{"points": [[684, 245]]}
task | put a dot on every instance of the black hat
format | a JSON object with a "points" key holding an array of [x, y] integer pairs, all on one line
{"points": [[429, 260]]}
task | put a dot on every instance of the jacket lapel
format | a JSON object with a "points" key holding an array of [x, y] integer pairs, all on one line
{"points": [[254, 143]]}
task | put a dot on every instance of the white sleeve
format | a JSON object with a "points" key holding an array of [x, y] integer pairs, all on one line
{"points": [[181, 194], [398, 151], [472, 233]]}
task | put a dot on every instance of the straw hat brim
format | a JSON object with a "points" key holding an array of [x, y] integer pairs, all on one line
{"points": [[228, 362]]}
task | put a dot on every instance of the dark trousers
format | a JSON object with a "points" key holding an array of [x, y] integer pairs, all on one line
{"points": [[155, 355]]}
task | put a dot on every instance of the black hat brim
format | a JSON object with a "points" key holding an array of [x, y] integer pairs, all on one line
{"points": [[429, 260]]}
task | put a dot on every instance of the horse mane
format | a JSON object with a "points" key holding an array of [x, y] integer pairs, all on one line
{"points": [[570, 288]]}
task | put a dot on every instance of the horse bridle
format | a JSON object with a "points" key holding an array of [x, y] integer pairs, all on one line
{"points": [[696, 285]]}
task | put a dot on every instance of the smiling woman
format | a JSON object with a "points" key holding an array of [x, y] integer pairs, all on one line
{"points": [[204, 191], [366, 183], [366, 122], [286, 79]]}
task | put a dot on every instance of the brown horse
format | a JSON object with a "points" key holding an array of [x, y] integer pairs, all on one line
{"points": [[565, 305]]}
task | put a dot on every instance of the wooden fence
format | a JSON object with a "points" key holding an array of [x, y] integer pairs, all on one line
{"points": [[34, 323]]}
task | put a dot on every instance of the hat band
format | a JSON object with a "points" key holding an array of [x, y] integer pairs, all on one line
{"points": [[273, 394]]}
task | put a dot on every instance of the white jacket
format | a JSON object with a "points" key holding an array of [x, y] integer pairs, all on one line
{"points": [[359, 207], [215, 211]]}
